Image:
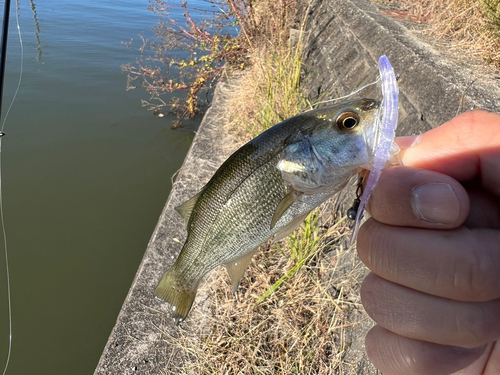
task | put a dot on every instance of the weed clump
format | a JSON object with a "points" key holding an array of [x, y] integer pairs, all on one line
{"points": [[191, 57]]}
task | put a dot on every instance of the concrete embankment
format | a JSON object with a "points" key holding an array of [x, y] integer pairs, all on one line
{"points": [[345, 40]]}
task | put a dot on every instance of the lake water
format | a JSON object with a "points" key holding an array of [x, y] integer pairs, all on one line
{"points": [[86, 172]]}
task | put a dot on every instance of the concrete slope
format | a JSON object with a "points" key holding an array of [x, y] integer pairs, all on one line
{"points": [[137, 343], [347, 38]]}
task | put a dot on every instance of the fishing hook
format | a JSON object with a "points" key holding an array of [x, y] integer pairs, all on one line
{"points": [[352, 212]]}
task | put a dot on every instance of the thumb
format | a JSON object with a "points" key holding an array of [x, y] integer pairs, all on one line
{"points": [[466, 147]]}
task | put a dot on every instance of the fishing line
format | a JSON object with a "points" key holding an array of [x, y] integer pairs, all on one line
{"points": [[348, 95], [2, 221]]}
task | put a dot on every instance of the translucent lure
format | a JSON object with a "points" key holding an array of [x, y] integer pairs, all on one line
{"points": [[385, 136]]}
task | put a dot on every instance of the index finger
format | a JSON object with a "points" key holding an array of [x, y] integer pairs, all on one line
{"points": [[464, 148]]}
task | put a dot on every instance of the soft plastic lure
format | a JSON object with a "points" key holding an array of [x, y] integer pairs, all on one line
{"points": [[385, 135]]}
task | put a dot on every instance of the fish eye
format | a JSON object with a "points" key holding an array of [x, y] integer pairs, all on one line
{"points": [[347, 120]]}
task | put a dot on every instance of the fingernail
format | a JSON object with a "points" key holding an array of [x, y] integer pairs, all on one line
{"points": [[407, 141], [436, 203]]}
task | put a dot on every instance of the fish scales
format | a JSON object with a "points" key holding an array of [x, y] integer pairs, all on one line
{"points": [[234, 213], [217, 221], [251, 165]]}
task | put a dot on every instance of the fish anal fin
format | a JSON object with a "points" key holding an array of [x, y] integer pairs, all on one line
{"points": [[181, 298], [186, 208], [285, 203], [290, 227], [237, 267]]}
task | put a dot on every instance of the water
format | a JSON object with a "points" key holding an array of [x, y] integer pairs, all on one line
{"points": [[86, 172]]}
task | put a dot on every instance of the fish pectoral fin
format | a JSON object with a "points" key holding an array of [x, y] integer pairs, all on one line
{"points": [[186, 208], [285, 203], [237, 267], [181, 298], [290, 227]]}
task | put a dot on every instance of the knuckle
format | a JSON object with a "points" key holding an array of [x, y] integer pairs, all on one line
{"points": [[375, 246], [479, 325], [373, 293], [479, 279]]}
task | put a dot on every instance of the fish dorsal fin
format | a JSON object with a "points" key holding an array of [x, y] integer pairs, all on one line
{"points": [[237, 267], [285, 203], [290, 227], [186, 208]]}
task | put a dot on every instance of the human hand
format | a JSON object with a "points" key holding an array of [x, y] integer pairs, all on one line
{"points": [[433, 246]]}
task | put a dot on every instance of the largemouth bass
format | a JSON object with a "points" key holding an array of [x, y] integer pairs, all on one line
{"points": [[266, 189]]}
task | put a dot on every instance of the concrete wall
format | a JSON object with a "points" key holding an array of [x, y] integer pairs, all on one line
{"points": [[346, 39]]}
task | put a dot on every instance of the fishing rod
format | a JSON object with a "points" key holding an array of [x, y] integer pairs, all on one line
{"points": [[3, 59], [3, 55]]}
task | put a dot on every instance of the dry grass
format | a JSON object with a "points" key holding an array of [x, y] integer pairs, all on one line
{"points": [[299, 329], [269, 91], [472, 26]]}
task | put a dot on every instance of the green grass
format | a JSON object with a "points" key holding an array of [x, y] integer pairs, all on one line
{"points": [[280, 94], [302, 246]]}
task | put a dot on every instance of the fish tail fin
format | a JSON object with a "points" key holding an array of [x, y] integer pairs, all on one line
{"points": [[171, 290]]}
